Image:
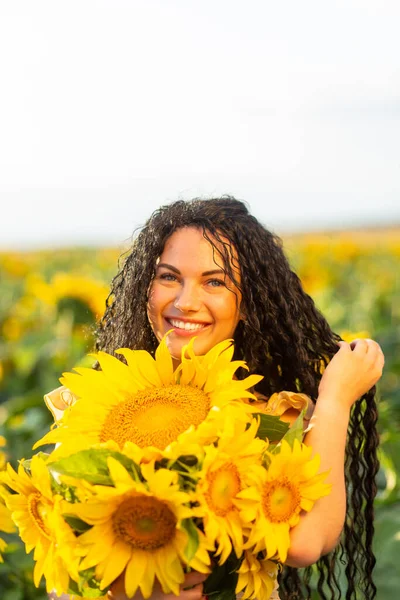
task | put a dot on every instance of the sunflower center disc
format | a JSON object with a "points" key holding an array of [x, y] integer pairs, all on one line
{"points": [[156, 416], [224, 484], [38, 512], [280, 500], [144, 522]]}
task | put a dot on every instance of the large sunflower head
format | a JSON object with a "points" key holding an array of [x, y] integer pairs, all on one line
{"points": [[139, 527], [145, 402], [34, 509], [32, 503], [272, 506]]}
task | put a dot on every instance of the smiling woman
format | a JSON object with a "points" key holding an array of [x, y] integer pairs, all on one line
{"points": [[207, 269]]}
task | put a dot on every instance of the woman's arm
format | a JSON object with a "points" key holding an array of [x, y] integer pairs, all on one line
{"points": [[350, 374]]}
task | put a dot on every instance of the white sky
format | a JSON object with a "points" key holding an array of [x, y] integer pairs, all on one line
{"points": [[110, 108]]}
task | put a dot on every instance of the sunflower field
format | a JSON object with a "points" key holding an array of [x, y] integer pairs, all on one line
{"points": [[49, 303]]}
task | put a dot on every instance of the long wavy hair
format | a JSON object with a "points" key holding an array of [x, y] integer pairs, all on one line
{"points": [[283, 337]]}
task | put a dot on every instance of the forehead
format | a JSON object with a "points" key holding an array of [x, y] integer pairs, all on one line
{"points": [[188, 247]]}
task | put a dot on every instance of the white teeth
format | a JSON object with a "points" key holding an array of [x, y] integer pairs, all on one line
{"points": [[186, 326]]}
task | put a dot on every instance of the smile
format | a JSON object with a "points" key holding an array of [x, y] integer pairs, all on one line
{"points": [[186, 325]]}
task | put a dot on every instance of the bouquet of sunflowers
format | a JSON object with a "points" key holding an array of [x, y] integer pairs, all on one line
{"points": [[157, 472]]}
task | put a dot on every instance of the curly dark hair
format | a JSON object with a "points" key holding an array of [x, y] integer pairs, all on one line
{"points": [[283, 337]]}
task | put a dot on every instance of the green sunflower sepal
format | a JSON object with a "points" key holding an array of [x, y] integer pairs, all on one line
{"points": [[193, 539], [87, 587]]}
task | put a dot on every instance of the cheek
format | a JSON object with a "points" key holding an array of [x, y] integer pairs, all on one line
{"points": [[158, 298], [152, 304], [227, 310]]}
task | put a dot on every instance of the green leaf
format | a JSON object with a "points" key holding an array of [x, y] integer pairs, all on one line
{"points": [[76, 523], [271, 427], [295, 431], [222, 581], [91, 465], [193, 539]]}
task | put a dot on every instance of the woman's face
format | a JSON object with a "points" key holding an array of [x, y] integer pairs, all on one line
{"points": [[191, 294]]}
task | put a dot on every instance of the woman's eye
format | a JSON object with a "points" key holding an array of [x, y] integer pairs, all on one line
{"points": [[168, 277], [216, 282]]}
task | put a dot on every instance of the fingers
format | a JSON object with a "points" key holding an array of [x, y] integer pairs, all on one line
{"points": [[193, 579], [192, 587], [371, 353], [344, 347], [117, 589], [359, 346], [194, 593], [366, 345]]}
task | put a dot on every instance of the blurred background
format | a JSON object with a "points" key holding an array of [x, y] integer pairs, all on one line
{"points": [[110, 109]]}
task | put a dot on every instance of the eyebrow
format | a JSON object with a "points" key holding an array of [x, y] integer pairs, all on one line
{"points": [[177, 271]]}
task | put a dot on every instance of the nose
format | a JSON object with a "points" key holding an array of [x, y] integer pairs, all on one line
{"points": [[188, 298]]}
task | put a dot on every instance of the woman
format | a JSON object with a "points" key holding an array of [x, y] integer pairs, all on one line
{"points": [[209, 269]]}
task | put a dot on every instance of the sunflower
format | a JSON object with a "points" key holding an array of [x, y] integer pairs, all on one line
{"points": [[271, 507], [222, 477], [138, 526], [35, 511], [6, 523], [3, 546], [3, 442], [145, 402], [88, 291], [257, 577]]}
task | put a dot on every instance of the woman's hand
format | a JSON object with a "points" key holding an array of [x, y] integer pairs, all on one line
{"points": [[353, 371], [191, 589]]}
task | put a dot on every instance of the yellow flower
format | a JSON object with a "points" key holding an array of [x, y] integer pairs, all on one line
{"points": [[3, 455], [256, 577], [36, 513], [12, 329], [272, 506], [3, 546], [345, 249], [14, 264], [222, 477], [6, 523], [91, 292], [349, 336], [146, 403], [137, 526]]}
